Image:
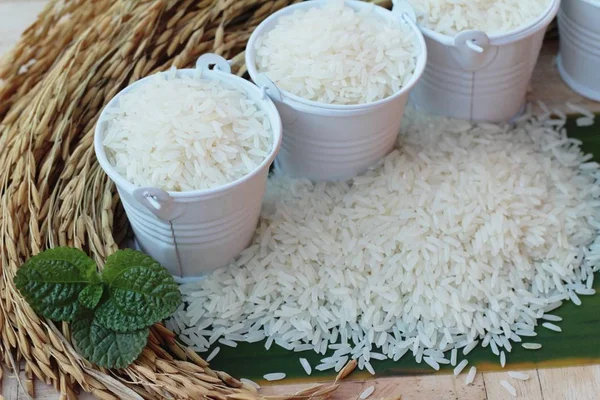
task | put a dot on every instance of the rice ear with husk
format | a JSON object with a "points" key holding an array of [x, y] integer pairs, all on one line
{"points": [[54, 83]]}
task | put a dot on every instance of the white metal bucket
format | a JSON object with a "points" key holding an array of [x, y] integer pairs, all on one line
{"points": [[474, 76], [579, 56], [191, 233], [329, 141]]}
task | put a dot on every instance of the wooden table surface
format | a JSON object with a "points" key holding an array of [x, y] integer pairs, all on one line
{"points": [[574, 383]]}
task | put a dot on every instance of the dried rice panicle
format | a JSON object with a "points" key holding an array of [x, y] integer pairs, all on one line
{"points": [[67, 66]]}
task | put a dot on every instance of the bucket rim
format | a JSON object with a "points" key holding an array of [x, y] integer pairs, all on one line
{"points": [[239, 83], [499, 39], [292, 99]]}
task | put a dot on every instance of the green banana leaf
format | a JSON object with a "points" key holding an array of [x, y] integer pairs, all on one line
{"points": [[577, 344]]}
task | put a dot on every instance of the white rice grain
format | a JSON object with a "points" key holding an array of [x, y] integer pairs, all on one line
{"points": [[453, 356], [468, 348], [274, 376], [584, 121], [432, 363], [419, 223], [471, 376], [250, 382], [552, 318], [552, 327], [168, 133], [509, 388], [306, 366], [335, 55], [522, 376], [365, 394], [450, 17], [213, 354], [461, 365], [531, 346], [227, 342]]}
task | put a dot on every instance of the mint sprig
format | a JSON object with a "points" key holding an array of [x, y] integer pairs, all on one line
{"points": [[91, 295], [110, 313], [141, 292], [51, 281], [105, 347]]}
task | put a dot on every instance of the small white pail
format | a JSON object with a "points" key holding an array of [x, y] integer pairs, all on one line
{"points": [[191, 233], [332, 141], [579, 57], [477, 77]]}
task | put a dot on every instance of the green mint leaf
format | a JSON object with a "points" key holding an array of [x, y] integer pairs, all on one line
{"points": [[91, 295], [105, 347], [76, 257], [141, 292], [52, 280]]}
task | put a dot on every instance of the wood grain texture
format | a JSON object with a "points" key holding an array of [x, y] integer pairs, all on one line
{"points": [[439, 387], [548, 86], [575, 383], [526, 390]]}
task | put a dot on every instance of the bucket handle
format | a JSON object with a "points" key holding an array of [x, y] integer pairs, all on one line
{"points": [[159, 203], [403, 9], [206, 60], [268, 87], [472, 50]]}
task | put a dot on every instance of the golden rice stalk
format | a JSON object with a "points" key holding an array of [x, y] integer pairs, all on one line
{"points": [[67, 66]]}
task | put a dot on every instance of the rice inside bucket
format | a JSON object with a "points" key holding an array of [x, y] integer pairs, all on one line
{"points": [[193, 189], [339, 116], [477, 75]]}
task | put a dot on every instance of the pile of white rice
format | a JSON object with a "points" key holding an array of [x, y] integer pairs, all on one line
{"points": [[335, 55], [186, 133], [465, 236], [450, 17]]}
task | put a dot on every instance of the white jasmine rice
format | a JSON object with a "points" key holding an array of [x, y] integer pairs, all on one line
{"points": [[468, 348], [213, 354], [459, 368], [250, 383], [185, 133], [227, 342], [432, 363], [453, 355], [336, 55], [305, 366], [531, 346], [552, 327], [450, 17], [522, 376], [471, 376], [466, 234], [509, 388], [274, 376], [365, 394], [553, 318]]}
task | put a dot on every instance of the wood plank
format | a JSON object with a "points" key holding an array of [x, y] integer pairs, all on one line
{"points": [[574, 383], [439, 387], [15, 17], [548, 86], [526, 390]]}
